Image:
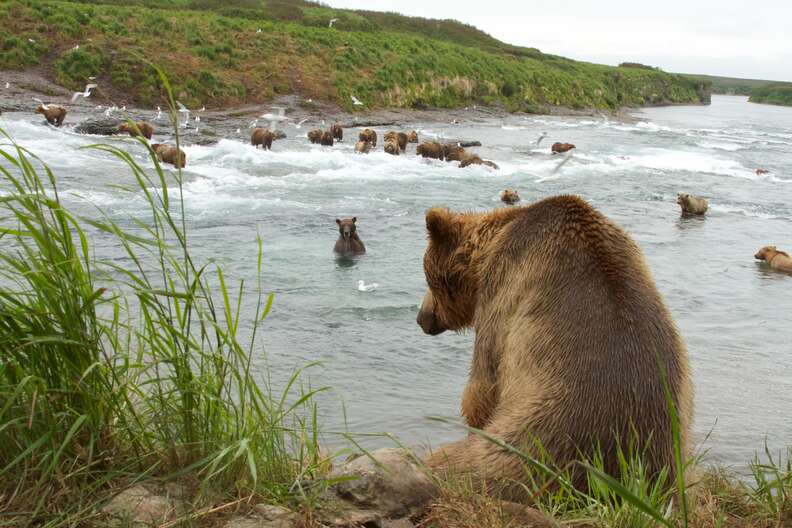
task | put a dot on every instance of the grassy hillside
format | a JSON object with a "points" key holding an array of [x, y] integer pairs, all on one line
{"points": [[777, 94], [730, 85], [248, 51]]}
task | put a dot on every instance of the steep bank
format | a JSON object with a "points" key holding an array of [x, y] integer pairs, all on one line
{"points": [[225, 55], [776, 94]]}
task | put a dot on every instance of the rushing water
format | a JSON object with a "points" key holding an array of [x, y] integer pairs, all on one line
{"points": [[734, 314]]}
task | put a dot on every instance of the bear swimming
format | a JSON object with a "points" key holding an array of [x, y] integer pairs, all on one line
{"points": [[430, 149], [337, 131], [262, 137], [509, 196], [143, 129], [368, 135], [574, 346], [559, 148], [348, 243], [170, 154], [692, 205], [54, 114], [315, 136], [474, 159], [778, 260]]}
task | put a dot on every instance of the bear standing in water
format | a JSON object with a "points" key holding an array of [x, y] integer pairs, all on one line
{"points": [[573, 341], [54, 114], [348, 243]]}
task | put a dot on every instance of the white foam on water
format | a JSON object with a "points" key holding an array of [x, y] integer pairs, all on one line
{"points": [[750, 212]]}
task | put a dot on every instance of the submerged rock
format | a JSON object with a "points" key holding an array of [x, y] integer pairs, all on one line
{"points": [[107, 126]]}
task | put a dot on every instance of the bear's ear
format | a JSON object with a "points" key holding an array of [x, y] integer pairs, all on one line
{"points": [[442, 225], [354, 219], [338, 221]]}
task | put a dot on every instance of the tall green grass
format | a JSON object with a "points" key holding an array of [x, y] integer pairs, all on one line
{"points": [[114, 373]]}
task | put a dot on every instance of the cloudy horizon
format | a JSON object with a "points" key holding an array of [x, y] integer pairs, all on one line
{"points": [[730, 39]]}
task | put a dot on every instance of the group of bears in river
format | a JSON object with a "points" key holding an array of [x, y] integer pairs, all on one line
{"points": [[576, 355]]}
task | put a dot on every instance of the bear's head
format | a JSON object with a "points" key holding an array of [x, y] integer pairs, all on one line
{"points": [[682, 198], [346, 227], [766, 253], [451, 300]]}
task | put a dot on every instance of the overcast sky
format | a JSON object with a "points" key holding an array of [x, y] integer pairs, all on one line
{"points": [[730, 38]]}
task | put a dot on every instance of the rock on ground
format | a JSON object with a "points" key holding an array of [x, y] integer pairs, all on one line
{"points": [[140, 507]]}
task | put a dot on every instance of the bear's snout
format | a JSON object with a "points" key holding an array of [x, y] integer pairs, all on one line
{"points": [[427, 319]]}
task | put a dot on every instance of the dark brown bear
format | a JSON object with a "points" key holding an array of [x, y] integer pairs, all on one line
{"points": [[338, 132], [368, 135], [509, 196], [399, 137], [327, 138], [348, 243], [54, 114], [574, 345], [141, 128], [559, 148], [452, 152], [315, 136], [262, 137], [170, 154], [430, 149]]}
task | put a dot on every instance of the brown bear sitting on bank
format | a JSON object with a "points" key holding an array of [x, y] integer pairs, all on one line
{"points": [[348, 243], [315, 136], [509, 196], [362, 147], [368, 135], [170, 154], [692, 205], [337, 131], [573, 341], [412, 137], [392, 147], [262, 137], [54, 114], [559, 148], [327, 139], [141, 128], [474, 159], [430, 149], [778, 260]]}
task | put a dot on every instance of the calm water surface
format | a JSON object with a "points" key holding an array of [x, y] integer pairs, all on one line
{"points": [[735, 316]]}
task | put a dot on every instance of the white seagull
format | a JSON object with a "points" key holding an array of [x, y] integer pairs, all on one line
{"points": [[76, 47], [277, 117], [356, 101], [183, 109], [561, 164], [8, 85], [299, 124], [239, 130], [159, 113], [31, 41], [541, 137], [332, 21], [39, 101], [86, 93], [362, 286], [259, 30]]}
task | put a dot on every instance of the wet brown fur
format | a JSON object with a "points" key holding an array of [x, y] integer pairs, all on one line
{"points": [[315, 136], [368, 135], [262, 137], [569, 332], [453, 152], [327, 139], [362, 147], [143, 129], [392, 147], [348, 243], [692, 205], [170, 154], [559, 148], [778, 260], [430, 149], [338, 132], [412, 137], [399, 137], [509, 196], [474, 159], [54, 114]]}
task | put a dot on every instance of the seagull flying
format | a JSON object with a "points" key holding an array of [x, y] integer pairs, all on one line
{"points": [[561, 164], [39, 101], [277, 117], [86, 93], [332, 21], [540, 138], [356, 101], [299, 124], [362, 286], [183, 109]]}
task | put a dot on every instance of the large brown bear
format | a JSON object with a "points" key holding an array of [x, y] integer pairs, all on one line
{"points": [[54, 114], [327, 139], [368, 135], [778, 260], [399, 137], [692, 205], [348, 243], [559, 148], [392, 147], [262, 137], [337, 131], [573, 341], [141, 128], [170, 154], [429, 149], [315, 136]]}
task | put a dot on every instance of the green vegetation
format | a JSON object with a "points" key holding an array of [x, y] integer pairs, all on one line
{"points": [[729, 85], [777, 94], [246, 51]]}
